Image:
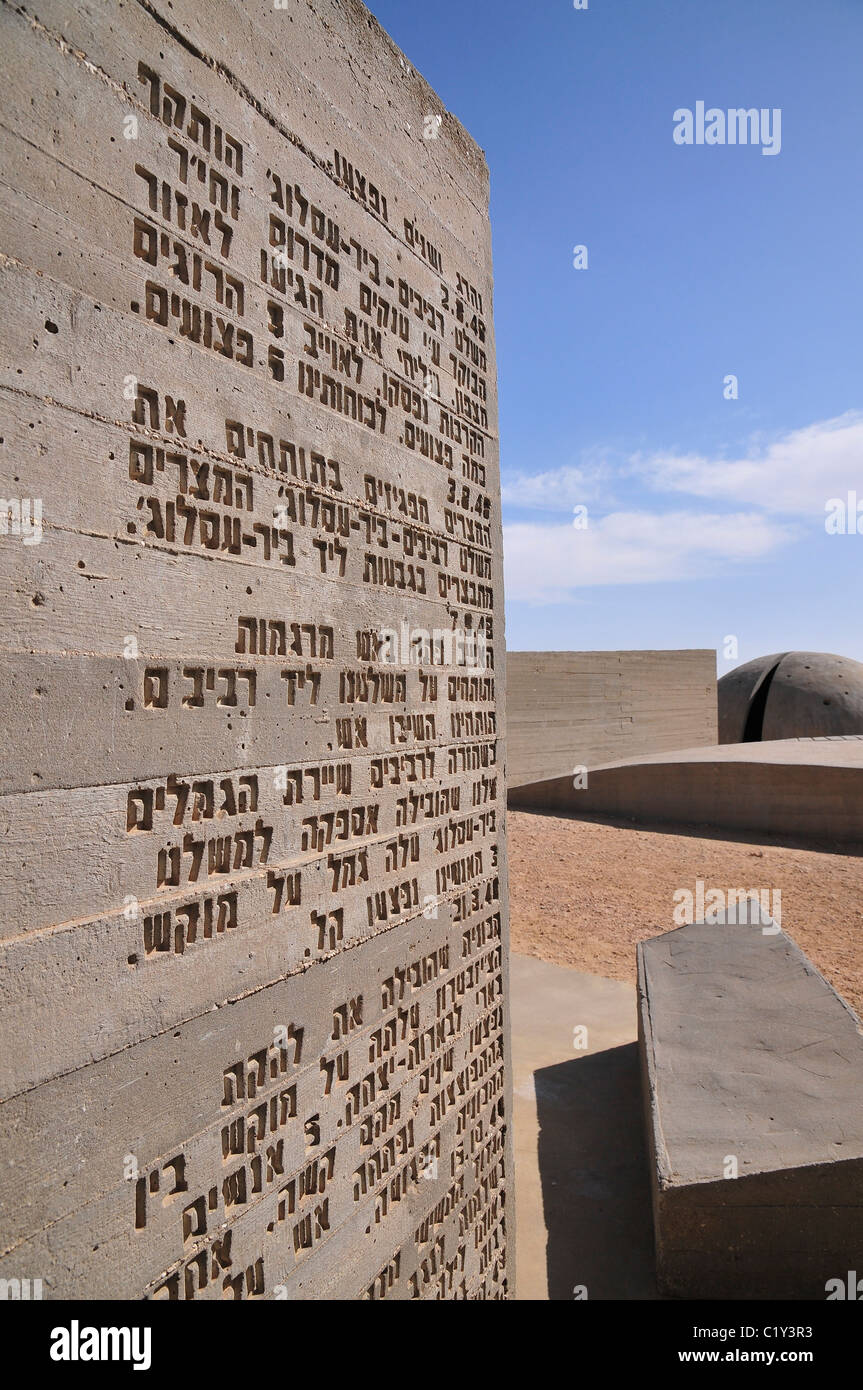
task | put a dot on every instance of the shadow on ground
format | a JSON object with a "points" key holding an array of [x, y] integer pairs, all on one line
{"points": [[594, 1175], [699, 831]]}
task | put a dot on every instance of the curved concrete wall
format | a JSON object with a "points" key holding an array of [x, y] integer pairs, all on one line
{"points": [[802, 788]]}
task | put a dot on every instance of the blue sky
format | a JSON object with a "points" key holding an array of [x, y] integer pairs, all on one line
{"points": [[705, 515]]}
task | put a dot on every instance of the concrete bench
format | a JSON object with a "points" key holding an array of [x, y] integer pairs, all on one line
{"points": [[751, 1065]]}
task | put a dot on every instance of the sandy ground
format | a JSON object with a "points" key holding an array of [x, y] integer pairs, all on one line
{"points": [[582, 893]]}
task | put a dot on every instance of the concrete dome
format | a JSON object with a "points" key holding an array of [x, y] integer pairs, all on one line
{"points": [[791, 695]]}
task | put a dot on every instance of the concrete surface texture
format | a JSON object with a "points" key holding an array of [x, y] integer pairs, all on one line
{"points": [[788, 787], [753, 1081], [253, 971], [568, 709], [583, 1218], [791, 695]]}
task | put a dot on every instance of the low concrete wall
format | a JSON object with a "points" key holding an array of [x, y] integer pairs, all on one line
{"points": [[796, 787], [801, 788], [568, 709]]}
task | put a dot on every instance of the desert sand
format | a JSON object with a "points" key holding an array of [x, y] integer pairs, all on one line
{"points": [[583, 893]]}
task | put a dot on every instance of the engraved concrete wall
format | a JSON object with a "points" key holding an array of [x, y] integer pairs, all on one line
{"points": [[568, 709], [253, 997]]}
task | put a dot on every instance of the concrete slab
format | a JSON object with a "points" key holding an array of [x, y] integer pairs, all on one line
{"points": [[752, 1068], [582, 1195]]}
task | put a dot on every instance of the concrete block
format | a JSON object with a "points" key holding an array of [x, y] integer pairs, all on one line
{"points": [[752, 1072]]}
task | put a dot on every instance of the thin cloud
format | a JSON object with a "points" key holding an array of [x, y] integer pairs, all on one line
{"points": [[555, 490], [550, 563], [793, 475]]}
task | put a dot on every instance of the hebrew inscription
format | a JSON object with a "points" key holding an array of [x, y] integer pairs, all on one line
{"points": [[253, 953]]}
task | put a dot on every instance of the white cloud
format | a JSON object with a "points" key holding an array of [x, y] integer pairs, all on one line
{"points": [[546, 563], [556, 490], [793, 475], [772, 487]]}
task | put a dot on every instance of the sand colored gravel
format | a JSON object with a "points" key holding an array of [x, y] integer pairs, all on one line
{"points": [[583, 893]]}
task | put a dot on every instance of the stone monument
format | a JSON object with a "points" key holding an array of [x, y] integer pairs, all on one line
{"points": [[253, 980]]}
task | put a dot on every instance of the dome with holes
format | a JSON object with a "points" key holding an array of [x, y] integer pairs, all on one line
{"points": [[791, 695]]}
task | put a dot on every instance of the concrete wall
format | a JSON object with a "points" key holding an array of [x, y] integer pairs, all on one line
{"points": [[568, 709], [253, 972], [799, 789]]}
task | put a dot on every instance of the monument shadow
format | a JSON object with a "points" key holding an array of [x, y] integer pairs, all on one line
{"points": [[594, 1173]]}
